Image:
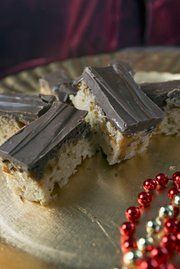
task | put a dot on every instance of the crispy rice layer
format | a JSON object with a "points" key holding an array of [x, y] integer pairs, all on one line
{"points": [[56, 174], [114, 144]]}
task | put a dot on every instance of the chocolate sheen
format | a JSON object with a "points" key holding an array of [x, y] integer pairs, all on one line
{"points": [[56, 77], [118, 64], [63, 90], [24, 108], [163, 92], [39, 141], [59, 84], [121, 99]]}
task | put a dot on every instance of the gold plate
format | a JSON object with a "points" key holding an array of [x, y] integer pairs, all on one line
{"points": [[80, 229]]}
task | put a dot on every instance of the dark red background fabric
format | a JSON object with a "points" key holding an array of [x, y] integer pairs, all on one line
{"points": [[34, 32], [163, 22]]}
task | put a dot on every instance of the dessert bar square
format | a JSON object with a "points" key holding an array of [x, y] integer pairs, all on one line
{"points": [[17, 110], [43, 155], [57, 83], [167, 96], [121, 116]]}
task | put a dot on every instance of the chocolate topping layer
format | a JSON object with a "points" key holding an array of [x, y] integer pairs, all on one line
{"points": [[163, 92], [56, 77], [118, 64], [24, 108], [59, 84], [115, 64], [38, 142], [63, 90], [121, 99]]}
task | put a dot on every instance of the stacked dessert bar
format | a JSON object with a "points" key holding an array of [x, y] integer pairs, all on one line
{"points": [[44, 154], [121, 116], [102, 109], [167, 96], [18, 110], [59, 84]]}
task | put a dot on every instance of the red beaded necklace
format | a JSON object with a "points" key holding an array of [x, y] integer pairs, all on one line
{"points": [[163, 233]]}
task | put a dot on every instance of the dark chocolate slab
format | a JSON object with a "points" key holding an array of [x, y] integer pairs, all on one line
{"points": [[163, 92], [59, 84], [121, 98], [39, 141], [118, 64], [24, 108], [63, 90], [56, 77]]}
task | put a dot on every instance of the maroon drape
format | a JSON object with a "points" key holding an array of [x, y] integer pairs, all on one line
{"points": [[37, 32]]}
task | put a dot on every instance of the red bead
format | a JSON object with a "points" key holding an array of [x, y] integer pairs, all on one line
{"points": [[176, 174], [178, 236], [169, 242], [127, 245], [172, 192], [133, 213], [178, 242], [161, 180], [127, 228], [176, 179], [148, 264], [170, 266], [149, 184], [171, 226], [176, 211], [159, 254], [144, 198], [167, 266]]}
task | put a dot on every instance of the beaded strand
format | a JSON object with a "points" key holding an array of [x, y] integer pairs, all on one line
{"points": [[162, 240]]}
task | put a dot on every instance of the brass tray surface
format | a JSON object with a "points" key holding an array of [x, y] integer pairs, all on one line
{"points": [[80, 229]]}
